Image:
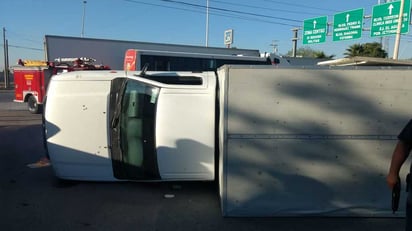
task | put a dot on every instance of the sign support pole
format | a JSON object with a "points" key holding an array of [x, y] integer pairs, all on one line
{"points": [[398, 31], [84, 15]]}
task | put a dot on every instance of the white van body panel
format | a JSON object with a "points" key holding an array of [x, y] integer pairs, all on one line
{"points": [[185, 131], [77, 126]]}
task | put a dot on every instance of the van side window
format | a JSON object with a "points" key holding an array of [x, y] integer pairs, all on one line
{"points": [[181, 80]]}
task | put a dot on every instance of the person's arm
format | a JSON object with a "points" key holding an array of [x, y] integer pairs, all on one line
{"points": [[400, 154]]}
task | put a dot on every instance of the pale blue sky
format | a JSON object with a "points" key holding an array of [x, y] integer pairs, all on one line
{"points": [[256, 23]]}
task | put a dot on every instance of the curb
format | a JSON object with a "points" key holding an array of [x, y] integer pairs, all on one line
{"points": [[7, 89]]}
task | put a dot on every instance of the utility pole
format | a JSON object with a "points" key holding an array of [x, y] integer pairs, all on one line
{"points": [[398, 31], [275, 46], [207, 23], [45, 50], [294, 41], [6, 60], [83, 18], [7, 76]]}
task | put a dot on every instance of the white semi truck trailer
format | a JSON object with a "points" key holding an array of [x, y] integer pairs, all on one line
{"points": [[279, 141]]}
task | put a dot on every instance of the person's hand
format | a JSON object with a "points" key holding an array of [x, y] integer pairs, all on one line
{"points": [[391, 180]]}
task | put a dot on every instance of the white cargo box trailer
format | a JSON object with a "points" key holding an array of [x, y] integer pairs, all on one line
{"points": [[310, 141]]}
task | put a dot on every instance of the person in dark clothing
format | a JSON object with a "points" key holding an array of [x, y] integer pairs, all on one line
{"points": [[399, 156]]}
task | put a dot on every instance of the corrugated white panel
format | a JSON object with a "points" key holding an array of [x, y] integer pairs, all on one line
{"points": [[311, 142]]}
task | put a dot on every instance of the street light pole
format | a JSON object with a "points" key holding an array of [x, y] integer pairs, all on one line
{"points": [[207, 23], [84, 15], [6, 59]]}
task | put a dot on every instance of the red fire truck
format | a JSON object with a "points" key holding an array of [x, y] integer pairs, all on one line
{"points": [[31, 77]]}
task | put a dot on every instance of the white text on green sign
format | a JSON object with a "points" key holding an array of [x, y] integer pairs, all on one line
{"points": [[385, 18], [314, 30], [348, 25]]}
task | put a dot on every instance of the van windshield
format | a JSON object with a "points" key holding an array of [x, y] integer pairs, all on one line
{"points": [[133, 153]]}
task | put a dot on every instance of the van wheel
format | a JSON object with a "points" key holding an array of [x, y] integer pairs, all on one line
{"points": [[33, 105]]}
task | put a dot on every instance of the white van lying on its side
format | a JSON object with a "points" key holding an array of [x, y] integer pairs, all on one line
{"points": [[108, 126]]}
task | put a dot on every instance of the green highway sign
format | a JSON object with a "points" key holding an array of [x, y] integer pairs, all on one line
{"points": [[314, 30], [385, 18], [347, 25]]}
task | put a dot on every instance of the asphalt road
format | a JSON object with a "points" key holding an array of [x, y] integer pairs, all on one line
{"points": [[33, 199]]}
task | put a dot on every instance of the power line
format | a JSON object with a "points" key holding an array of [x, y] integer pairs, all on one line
{"points": [[22, 36], [157, 5], [23, 47], [299, 5], [171, 7], [232, 11], [226, 13], [266, 8]]}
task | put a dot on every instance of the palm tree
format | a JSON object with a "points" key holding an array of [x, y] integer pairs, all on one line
{"points": [[311, 53], [354, 50], [367, 49], [322, 55]]}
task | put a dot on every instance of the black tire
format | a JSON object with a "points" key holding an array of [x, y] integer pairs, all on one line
{"points": [[33, 105]]}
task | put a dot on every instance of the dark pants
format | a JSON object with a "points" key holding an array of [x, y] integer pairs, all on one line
{"points": [[409, 204], [408, 214]]}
